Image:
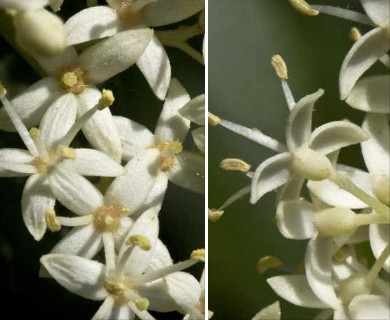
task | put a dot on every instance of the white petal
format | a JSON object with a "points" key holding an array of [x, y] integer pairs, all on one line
{"points": [[36, 199], [120, 312], [56, 5], [84, 241], [171, 125], [379, 238], [376, 150], [295, 219], [363, 54], [184, 289], [132, 259], [333, 195], [295, 289], [194, 110], [377, 10], [188, 171], [78, 275], [120, 235], [161, 257], [199, 138], [271, 312], [335, 135], [23, 4], [157, 194], [165, 12], [115, 54], [292, 189], [369, 307], [92, 23], [75, 192], [32, 103], [157, 295], [53, 65], [16, 162], [299, 122], [91, 162], [133, 188], [269, 175], [100, 129], [156, 68], [104, 311], [371, 94], [134, 136], [58, 119], [318, 267]]}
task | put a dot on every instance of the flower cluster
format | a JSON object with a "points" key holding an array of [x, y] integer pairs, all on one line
{"points": [[336, 207], [105, 195]]}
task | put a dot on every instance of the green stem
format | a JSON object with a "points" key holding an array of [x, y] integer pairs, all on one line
{"points": [[376, 268]]}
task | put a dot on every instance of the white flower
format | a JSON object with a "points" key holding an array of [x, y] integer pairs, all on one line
{"points": [[48, 156], [69, 90], [183, 168], [103, 21]]}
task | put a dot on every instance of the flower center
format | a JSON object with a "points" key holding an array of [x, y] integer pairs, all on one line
{"points": [[107, 218], [168, 150], [128, 14], [72, 79]]}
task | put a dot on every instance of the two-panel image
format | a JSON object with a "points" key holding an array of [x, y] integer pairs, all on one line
{"points": [[195, 159]]}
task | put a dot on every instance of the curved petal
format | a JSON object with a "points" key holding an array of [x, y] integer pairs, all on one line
{"points": [[318, 266], [105, 310], [121, 234], [36, 199], [157, 194], [78, 275], [15, 163], [115, 54], [295, 219], [56, 4], [156, 293], [379, 238], [134, 136], [84, 241], [199, 138], [23, 4], [120, 312], [194, 110], [163, 12], [32, 103], [335, 135], [369, 307], [156, 68], [188, 171], [376, 150], [377, 10], [269, 175], [133, 188], [58, 119], [371, 94], [100, 130], [53, 65], [333, 195], [295, 289], [75, 192], [161, 257], [90, 24], [271, 312], [363, 54], [299, 122], [90, 162], [171, 125]]}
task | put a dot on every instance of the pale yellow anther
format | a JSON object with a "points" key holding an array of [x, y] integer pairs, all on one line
{"points": [[232, 164], [267, 262], [106, 100], [213, 119], [69, 79], [303, 7], [354, 34], [66, 152], [35, 133], [142, 304], [125, 209], [198, 255], [176, 147], [114, 288], [214, 214], [340, 255], [51, 220], [139, 241], [3, 91], [279, 66]]}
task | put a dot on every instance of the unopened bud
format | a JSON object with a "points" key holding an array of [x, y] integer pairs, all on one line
{"points": [[335, 221]]}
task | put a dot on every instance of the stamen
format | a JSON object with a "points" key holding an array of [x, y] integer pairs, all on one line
{"points": [[35, 135], [75, 221], [279, 66], [232, 164], [303, 7], [69, 79], [268, 262], [3, 91], [378, 265], [344, 14], [140, 241], [354, 34], [236, 196], [214, 214], [66, 152], [213, 119], [106, 100], [51, 220], [142, 304], [198, 255]]}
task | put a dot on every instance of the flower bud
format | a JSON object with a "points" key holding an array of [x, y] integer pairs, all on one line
{"points": [[40, 32], [335, 221]]}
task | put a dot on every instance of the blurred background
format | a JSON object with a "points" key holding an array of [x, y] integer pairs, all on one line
{"points": [[243, 88], [181, 218]]}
